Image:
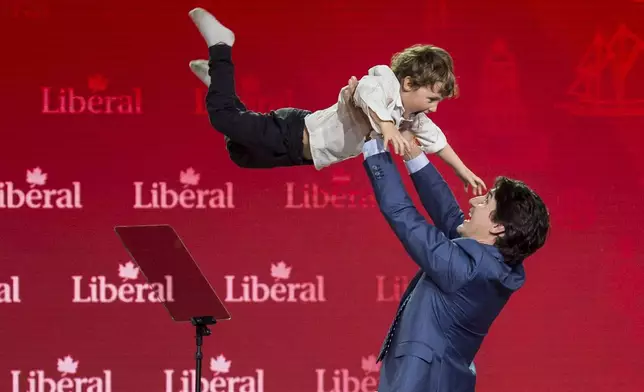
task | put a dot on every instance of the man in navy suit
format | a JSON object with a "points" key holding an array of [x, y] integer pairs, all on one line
{"points": [[469, 268]]}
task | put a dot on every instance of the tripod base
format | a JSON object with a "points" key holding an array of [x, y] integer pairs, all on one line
{"points": [[201, 324]]}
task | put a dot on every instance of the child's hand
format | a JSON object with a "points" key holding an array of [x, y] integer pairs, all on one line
{"points": [[391, 134], [472, 180], [448, 155]]}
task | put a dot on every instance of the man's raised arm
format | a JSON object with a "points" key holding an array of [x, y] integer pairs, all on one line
{"points": [[443, 261], [435, 195]]}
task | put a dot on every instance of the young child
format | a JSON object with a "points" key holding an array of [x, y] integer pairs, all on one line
{"points": [[393, 98]]}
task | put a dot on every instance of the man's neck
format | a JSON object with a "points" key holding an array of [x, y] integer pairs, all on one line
{"points": [[486, 241]]}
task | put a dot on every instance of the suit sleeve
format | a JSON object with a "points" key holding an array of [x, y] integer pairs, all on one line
{"points": [[435, 195], [431, 249]]}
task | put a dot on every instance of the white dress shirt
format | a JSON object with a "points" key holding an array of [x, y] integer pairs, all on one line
{"points": [[337, 133]]}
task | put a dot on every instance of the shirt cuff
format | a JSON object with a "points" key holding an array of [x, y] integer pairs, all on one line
{"points": [[416, 164], [373, 147]]}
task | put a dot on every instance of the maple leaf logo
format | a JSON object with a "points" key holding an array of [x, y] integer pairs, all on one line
{"points": [[189, 177], [36, 177], [67, 365], [219, 364], [97, 83], [369, 364], [128, 271], [280, 271], [340, 176]]}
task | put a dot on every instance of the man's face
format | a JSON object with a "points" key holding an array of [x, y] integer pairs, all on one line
{"points": [[420, 100], [479, 225]]}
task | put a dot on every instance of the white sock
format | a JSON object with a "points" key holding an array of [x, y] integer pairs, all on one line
{"points": [[200, 69], [210, 28]]}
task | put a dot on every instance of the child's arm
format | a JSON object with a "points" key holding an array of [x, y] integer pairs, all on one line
{"points": [[449, 156], [433, 141], [390, 133]]}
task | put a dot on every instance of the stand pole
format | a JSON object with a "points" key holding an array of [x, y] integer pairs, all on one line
{"points": [[201, 329]]}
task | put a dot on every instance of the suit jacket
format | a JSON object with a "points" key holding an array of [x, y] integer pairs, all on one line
{"points": [[460, 289]]}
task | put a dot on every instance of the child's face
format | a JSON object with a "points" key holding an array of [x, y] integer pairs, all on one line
{"points": [[420, 100]]}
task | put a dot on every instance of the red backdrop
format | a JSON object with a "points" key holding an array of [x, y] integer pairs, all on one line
{"points": [[552, 93]]}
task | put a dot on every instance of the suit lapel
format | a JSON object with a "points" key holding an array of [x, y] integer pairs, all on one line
{"points": [[411, 286]]}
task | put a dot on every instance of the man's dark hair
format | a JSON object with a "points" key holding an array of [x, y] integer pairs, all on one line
{"points": [[525, 218]]}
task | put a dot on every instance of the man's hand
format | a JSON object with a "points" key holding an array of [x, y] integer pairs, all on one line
{"points": [[348, 93], [414, 148], [353, 84]]}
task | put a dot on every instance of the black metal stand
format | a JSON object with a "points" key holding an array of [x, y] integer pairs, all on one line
{"points": [[201, 325]]}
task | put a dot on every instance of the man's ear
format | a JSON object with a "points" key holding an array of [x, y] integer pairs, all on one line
{"points": [[497, 229]]}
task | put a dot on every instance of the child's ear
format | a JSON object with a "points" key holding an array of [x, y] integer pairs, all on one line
{"points": [[406, 84]]}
